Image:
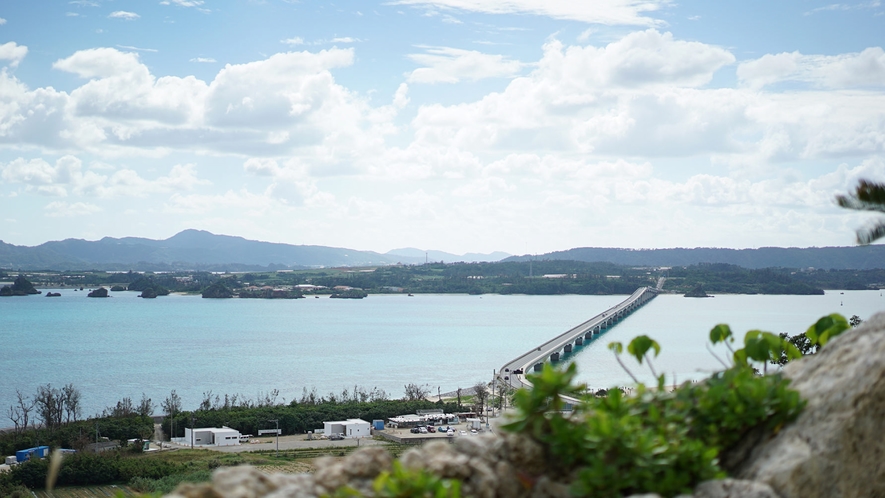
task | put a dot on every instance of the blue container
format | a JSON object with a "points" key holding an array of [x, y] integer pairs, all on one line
{"points": [[378, 425], [36, 452]]}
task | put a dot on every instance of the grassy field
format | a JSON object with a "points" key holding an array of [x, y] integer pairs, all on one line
{"points": [[201, 462], [87, 492]]}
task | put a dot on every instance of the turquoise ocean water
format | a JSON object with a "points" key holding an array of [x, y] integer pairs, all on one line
{"points": [[126, 346]]}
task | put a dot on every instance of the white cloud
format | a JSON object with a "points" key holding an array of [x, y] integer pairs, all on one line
{"points": [[633, 96], [137, 49], [10, 51], [61, 209], [863, 69], [451, 65], [345, 39], [183, 3], [845, 6], [67, 177], [203, 59], [293, 41], [122, 14], [610, 12], [2, 21], [401, 97], [121, 88]]}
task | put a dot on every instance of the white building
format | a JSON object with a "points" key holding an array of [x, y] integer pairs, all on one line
{"points": [[351, 428], [210, 436]]}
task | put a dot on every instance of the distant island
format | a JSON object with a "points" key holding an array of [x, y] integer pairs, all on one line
{"points": [[100, 292], [349, 294], [20, 287], [550, 277], [199, 250], [697, 291]]}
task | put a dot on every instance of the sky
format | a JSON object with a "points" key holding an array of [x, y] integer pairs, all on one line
{"points": [[523, 126]]}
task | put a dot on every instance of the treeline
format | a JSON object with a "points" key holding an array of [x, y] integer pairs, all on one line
{"points": [[297, 418], [300, 415], [512, 277], [731, 279], [842, 279], [52, 417], [537, 277], [88, 469]]}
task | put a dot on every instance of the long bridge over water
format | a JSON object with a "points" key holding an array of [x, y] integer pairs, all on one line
{"points": [[513, 373]]}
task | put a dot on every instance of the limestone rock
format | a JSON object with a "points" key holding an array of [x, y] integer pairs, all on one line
{"points": [[248, 482], [100, 292], [733, 488], [836, 446]]}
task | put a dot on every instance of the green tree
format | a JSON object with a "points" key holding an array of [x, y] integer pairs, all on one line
{"points": [[868, 196]]}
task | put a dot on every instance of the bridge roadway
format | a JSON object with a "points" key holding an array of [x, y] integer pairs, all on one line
{"points": [[513, 373]]}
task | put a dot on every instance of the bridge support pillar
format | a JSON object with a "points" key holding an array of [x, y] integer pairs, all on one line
{"points": [[554, 357], [579, 341], [538, 367], [567, 349]]}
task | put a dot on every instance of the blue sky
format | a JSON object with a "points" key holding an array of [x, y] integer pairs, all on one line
{"points": [[459, 125]]}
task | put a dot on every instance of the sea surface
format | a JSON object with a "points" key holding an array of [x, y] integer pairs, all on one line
{"points": [[124, 346]]}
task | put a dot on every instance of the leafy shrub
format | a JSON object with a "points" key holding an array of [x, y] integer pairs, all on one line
{"points": [[654, 441], [83, 469], [408, 483]]}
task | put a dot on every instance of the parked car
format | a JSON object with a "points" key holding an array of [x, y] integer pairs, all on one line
{"points": [[463, 433], [336, 437], [431, 429], [473, 432], [422, 430], [450, 433], [414, 430]]}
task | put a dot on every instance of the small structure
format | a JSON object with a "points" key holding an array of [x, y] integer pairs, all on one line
{"points": [[424, 417], [31, 453], [350, 428], [102, 446], [210, 436]]}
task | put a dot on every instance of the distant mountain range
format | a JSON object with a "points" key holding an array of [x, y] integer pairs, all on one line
{"points": [[201, 250], [197, 249], [838, 258]]}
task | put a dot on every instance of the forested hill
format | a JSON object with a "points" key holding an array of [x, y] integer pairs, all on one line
{"points": [[201, 250], [838, 258]]}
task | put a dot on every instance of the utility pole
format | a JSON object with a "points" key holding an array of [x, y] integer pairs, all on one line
{"points": [[277, 421], [193, 424]]}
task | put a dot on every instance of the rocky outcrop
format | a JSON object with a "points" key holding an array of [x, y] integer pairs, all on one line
{"points": [[20, 287], [489, 466], [149, 293], [349, 294], [100, 292], [837, 445], [697, 291], [217, 291]]}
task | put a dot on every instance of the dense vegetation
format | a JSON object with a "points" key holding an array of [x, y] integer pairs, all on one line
{"points": [[298, 418], [530, 277], [730, 279], [76, 435]]}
